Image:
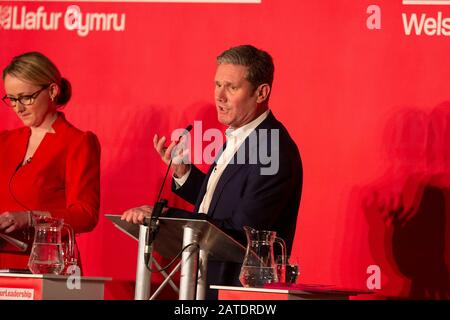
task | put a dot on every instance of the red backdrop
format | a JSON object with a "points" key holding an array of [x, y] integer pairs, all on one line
{"points": [[365, 106]]}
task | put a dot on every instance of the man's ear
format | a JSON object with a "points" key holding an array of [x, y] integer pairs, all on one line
{"points": [[262, 93]]}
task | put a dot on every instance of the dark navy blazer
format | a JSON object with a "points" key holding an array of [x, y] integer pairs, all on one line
{"points": [[246, 197]]}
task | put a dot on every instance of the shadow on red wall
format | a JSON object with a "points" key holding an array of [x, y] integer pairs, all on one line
{"points": [[408, 208]]}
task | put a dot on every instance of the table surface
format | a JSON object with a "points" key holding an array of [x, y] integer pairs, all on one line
{"points": [[297, 289]]}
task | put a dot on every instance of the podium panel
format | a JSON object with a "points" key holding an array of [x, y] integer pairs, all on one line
{"points": [[168, 243], [50, 287]]}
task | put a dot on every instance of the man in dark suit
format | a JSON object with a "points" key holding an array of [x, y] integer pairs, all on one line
{"points": [[256, 180]]}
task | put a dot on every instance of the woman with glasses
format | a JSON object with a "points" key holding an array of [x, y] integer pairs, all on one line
{"points": [[48, 168]]}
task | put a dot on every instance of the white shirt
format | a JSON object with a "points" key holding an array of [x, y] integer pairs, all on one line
{"points": [[234, 137]]}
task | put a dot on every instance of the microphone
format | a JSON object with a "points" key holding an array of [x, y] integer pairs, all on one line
{"points": [[153, 222], [18, 167]]}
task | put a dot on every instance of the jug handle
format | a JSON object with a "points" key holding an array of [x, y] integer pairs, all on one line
{"points": [[282, 244], [71, 242]]}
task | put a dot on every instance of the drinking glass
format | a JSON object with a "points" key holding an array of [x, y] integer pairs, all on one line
{"points": [[292, 270]]}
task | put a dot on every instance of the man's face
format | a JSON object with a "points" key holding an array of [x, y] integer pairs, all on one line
{"points": [[236, 101]]}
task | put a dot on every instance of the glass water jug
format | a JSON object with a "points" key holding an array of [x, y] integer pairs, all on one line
{"points": [[50, 255], [259, 267]]}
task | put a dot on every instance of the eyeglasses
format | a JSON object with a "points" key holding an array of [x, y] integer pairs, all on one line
{"points": [[25, 100]]}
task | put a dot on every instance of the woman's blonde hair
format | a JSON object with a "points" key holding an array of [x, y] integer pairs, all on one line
{"points": [[36, 68]]}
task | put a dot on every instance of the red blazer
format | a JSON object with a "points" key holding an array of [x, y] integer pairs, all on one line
{"points": [[62, 178]]}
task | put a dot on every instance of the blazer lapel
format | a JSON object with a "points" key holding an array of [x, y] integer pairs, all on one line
{"points": [[228, 173], [205, 181], [232, 169]]}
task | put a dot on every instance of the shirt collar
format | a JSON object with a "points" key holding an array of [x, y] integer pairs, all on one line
{"points": [[242, 132]]}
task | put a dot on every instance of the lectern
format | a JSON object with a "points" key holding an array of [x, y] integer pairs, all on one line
{"points": [[198, 240]]}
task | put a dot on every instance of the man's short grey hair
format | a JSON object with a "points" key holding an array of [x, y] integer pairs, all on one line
{"points": [[259, 63]]}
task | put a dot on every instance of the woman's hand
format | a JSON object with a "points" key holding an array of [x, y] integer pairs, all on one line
{"points": [[12, 221]]}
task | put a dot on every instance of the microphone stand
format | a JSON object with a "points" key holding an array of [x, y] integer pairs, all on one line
{"points": [[152, 222], [150, 229]]}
